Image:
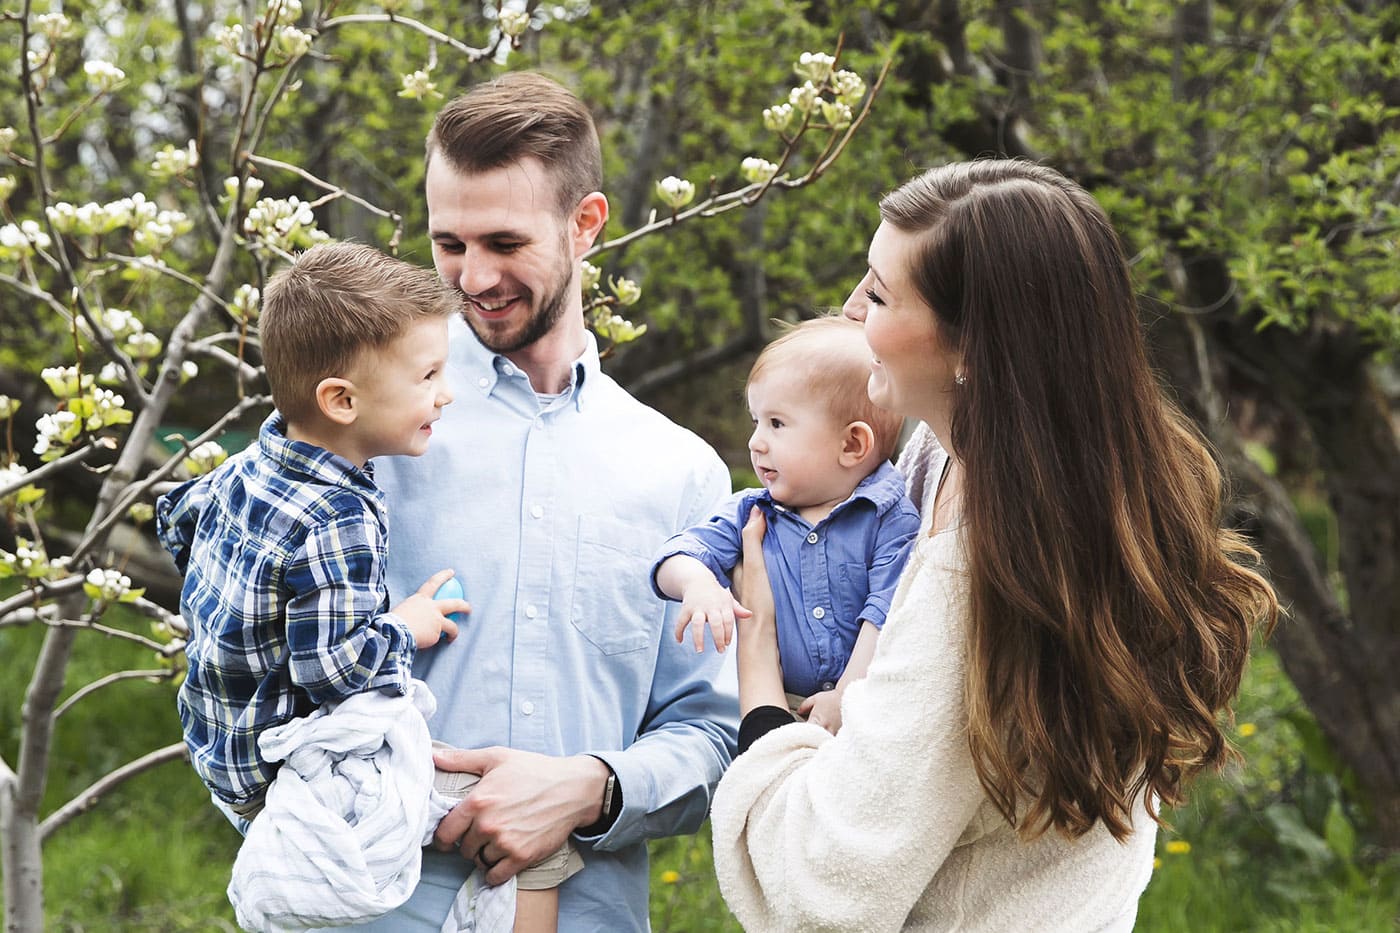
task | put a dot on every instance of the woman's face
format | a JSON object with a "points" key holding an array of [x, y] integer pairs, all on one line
{"points": [[911, 371]]}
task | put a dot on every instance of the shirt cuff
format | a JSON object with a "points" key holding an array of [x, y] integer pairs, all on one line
{"points": [[608, 820], [759, 722]]}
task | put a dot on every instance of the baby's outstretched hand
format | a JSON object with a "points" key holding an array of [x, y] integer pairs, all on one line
{"points": [[709, 604], [427, 618]]}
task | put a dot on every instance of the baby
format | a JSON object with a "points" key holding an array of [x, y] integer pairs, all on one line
{"points": [[839, 521]]}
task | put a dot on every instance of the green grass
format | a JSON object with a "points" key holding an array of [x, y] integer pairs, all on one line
{"points": [[1273, 844]]}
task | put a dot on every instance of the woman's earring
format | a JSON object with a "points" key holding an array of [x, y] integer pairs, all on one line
{"points": [[960, 379]]}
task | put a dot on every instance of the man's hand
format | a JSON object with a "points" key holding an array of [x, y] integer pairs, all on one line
{"points": [[707, 603], [427, 618], [523, 808], [824, 709]]}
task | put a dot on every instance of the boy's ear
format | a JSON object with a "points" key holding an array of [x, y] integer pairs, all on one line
{"points": [[335, 397], [857, 444]]}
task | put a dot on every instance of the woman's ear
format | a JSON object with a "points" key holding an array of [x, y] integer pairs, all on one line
{"points": [[335, 398], [857, 444]]}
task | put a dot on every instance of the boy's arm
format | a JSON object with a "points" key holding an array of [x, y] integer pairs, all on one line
{"points": [[342, 639]]}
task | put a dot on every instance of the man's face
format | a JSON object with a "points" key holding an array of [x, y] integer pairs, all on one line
{"points": [[498, 238]]}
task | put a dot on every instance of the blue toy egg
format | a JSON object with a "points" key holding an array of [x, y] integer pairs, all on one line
{"points": [[452, 589]]}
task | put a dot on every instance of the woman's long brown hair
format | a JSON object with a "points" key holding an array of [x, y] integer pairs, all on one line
{"points": [[1111, 614]]}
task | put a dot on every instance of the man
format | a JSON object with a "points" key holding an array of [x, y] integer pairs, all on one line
{"points": [[548, 489]]}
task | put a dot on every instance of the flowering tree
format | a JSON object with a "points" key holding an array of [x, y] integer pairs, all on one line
{"points": [[152, 295]]}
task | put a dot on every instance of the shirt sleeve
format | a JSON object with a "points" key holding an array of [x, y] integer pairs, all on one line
{"points": [[894, 536], [342, 639], [690, 730], [815, 831], [715, 542], [177, 515]]}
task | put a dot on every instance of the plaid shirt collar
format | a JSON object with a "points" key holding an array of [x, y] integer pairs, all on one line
{"points": [[301, 460]]}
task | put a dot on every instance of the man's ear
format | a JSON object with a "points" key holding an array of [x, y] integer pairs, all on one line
{"points": [[588, 220], [335, 398], [857, 444]]}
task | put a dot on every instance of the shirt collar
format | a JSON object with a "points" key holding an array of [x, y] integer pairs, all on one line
{"points": [[307, 461], [484, 368]]}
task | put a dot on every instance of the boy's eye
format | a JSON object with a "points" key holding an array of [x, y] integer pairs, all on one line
{"points": [[775, 422], [874, 298]]}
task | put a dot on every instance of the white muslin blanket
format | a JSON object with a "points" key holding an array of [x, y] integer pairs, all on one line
{"points": [[339, 840]]}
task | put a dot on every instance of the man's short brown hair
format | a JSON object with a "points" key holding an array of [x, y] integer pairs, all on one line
{"points": [[522, 115], [830, 354], [336, 301]]}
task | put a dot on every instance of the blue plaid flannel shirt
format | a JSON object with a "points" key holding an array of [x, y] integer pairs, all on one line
{"points": [[283, 552]]}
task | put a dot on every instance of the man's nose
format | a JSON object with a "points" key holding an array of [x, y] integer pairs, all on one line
{"points": [[479, 273]]}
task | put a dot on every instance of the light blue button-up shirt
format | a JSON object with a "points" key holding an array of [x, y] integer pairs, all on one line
{"points": [[550, 517]]}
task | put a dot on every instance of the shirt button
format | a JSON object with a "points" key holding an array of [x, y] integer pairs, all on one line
{"points": [[819, 613], [538, 425], [536, 511], [483, 382], [531, 611], [508, 369], [527, 708], [812, 539], [828, 685]]}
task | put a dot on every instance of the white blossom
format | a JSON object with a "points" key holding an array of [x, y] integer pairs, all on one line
{"points": [[803, 98], [777, 117], [849, 86], [627, 291], [590, 276], [103, 76], [54, 25], [675, 192], [814, 66], [757, 170], [293, 42], [55, 431], [513, 23], [188, 370], [7, 187], [8, 135], [143, 346], [838, 115], [64, 381], [417, 85], [204, 458], [170, 161], [121, 323], [230, 37], [109, 585]]}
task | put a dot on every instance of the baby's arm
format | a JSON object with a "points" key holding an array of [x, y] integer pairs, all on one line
{"points": [[427, 618], [703, 600], [824, 708]]}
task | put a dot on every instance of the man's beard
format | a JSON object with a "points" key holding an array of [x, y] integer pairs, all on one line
{"points": [[541, 322]]}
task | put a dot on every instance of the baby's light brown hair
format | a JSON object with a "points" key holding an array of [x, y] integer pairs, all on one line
{"points": [[830, 354], [335, 302]]}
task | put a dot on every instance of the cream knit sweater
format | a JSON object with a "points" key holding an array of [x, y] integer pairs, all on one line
{"points": [[885, 826]]}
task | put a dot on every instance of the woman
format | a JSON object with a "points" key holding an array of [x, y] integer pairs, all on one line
{"points": [[1071, 621]]}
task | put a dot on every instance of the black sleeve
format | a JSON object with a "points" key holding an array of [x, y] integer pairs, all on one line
{"points": [[761, 721]]}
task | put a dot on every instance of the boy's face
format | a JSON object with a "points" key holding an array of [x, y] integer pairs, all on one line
{"points": [[796, 443], [400, 391]]}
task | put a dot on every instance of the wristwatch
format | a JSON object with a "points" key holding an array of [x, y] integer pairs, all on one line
{"points": [[609, 797]]}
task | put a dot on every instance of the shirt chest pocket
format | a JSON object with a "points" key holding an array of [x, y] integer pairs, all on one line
{"points": [[613, 607], [850, 596]]}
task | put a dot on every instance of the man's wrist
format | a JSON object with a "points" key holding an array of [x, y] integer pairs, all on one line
{"points": [[610, 803]]}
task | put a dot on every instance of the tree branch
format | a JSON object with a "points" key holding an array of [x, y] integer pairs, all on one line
{"points": [[87, 799], [115, 677]]}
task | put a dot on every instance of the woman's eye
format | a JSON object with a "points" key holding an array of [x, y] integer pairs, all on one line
{"points": [[874, 298]]}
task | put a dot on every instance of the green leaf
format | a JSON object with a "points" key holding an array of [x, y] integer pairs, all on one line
{"points": [[1339, 833]]}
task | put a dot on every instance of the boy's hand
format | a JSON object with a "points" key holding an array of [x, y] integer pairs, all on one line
{"points": [[426, 617], [704, 603], [824, 709]]}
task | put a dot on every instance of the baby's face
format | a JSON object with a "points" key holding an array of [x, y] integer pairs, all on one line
{"points": [[796, 443]]}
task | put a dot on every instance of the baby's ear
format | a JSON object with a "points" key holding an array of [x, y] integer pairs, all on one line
{"points": [[857, 444], [335, 397]]}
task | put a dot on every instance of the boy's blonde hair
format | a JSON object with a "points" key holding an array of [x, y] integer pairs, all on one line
{"points": [[335, 302], [831, 356]]}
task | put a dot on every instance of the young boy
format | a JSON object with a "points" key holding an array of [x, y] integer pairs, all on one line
{"points": [[283, 547], [839, 522]]}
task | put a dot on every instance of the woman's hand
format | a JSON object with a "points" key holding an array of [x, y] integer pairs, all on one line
{"points": [[760, 673]]}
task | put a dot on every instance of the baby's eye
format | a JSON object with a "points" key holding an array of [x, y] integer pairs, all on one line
{"points": [[775, 422]]}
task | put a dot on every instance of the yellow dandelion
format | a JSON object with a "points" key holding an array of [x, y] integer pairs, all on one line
{"points": [[670, 877], [1156, 864], [1247, 729], [1178, 847]]}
